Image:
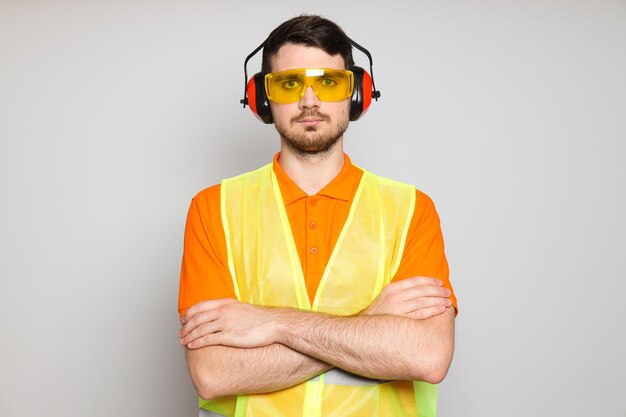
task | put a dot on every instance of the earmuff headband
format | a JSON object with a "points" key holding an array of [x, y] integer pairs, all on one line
{"points": [[375, 93], [244, 100]]}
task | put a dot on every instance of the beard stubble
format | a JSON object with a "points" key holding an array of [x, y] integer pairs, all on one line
{"points": [[313, 141]]}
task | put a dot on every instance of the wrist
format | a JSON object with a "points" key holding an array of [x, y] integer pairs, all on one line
{"points": [[280, 325]]}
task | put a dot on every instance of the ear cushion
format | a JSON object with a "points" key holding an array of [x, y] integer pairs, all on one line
{"points": [[257, 99], [362, 93]]}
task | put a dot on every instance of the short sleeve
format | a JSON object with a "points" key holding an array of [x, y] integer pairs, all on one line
{"points": [[424, 253], [204, 272]]}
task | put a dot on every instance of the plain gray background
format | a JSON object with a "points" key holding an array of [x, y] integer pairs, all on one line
{"points": [[510, 115]]}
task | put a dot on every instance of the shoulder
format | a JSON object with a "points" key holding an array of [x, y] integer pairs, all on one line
{"points": [[206, 204], [387, 185], [425, 213], [424, 210], [208, 196], [422, 200]]}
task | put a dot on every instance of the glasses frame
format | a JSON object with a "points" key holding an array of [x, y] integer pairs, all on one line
{"points": [[309, 82]]}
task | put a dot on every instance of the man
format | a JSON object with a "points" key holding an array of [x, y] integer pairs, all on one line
{"points": [[311, 287]]}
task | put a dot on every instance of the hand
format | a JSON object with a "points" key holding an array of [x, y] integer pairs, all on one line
{"points": [[416, 297], [226, 322]]}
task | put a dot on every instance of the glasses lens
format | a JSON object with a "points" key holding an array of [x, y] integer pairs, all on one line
{"points": [[333, 85], [328, 84], [286, 86]]}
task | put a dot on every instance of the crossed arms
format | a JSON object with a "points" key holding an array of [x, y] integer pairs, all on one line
{"points": [[238, 348]]}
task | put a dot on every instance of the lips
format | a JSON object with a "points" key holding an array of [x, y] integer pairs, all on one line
{"points": [[310, 121], [310, 118]]}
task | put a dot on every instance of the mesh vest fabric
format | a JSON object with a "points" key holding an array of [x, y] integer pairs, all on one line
{"points": [[266, 270]]}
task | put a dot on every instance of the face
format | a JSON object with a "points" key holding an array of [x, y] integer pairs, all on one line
{"points": [[309, 126]]}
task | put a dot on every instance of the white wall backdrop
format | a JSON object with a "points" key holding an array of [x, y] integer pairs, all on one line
{"points": [[510, 115]]}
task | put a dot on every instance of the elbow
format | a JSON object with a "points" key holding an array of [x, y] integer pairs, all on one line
{"points": [[208, 389], [435, 375], [205, 389], [206, 393], [432, 370], [209, 384]]}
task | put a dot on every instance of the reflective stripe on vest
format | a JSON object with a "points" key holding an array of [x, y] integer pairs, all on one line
{"points": [[266, 270]]}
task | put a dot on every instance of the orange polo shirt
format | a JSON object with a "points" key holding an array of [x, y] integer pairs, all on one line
{"points": [[316, 222]]}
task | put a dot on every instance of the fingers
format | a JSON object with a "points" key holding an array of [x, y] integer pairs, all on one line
{"points": [[424, 291], [204, 306], [432, 300], [202, 325], [197, 321], [397, 295], [207, 340], [408, 296], [426, 313], [425, 302], [201, 336]]}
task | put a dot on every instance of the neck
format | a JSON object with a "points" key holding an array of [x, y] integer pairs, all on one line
{"points": [[312, 172]]}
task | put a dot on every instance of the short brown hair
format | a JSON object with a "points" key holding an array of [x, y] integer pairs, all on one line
{"points": [[309, 30]]}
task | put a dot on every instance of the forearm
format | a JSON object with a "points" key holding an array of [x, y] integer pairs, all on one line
{"points": [[380, 346], [219, 371]]}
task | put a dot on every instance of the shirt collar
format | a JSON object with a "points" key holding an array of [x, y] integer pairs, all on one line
{"points": [[342, 187]]}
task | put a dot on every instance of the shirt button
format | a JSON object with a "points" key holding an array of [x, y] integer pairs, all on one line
{"points": [[313, 250], [314, 201], [313, 225]]}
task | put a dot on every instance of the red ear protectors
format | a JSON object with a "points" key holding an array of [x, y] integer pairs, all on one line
{"points": [[364, 89], [257, 98]]}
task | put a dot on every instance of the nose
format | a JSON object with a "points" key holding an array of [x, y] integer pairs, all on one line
{"points": [[309, 99]]}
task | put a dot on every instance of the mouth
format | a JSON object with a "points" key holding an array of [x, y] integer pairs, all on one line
{"points": [[310, 121]]}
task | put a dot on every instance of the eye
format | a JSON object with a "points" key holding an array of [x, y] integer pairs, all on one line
{"points": [[328, 82], [291, 84]]}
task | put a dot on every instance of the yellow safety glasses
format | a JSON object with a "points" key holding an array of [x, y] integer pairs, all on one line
{"points": [[328, 84]]}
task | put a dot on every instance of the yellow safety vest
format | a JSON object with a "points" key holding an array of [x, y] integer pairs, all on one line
{"points": [[266, 270]]}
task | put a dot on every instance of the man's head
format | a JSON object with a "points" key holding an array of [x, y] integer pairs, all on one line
{"points": [[309, 126]]}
